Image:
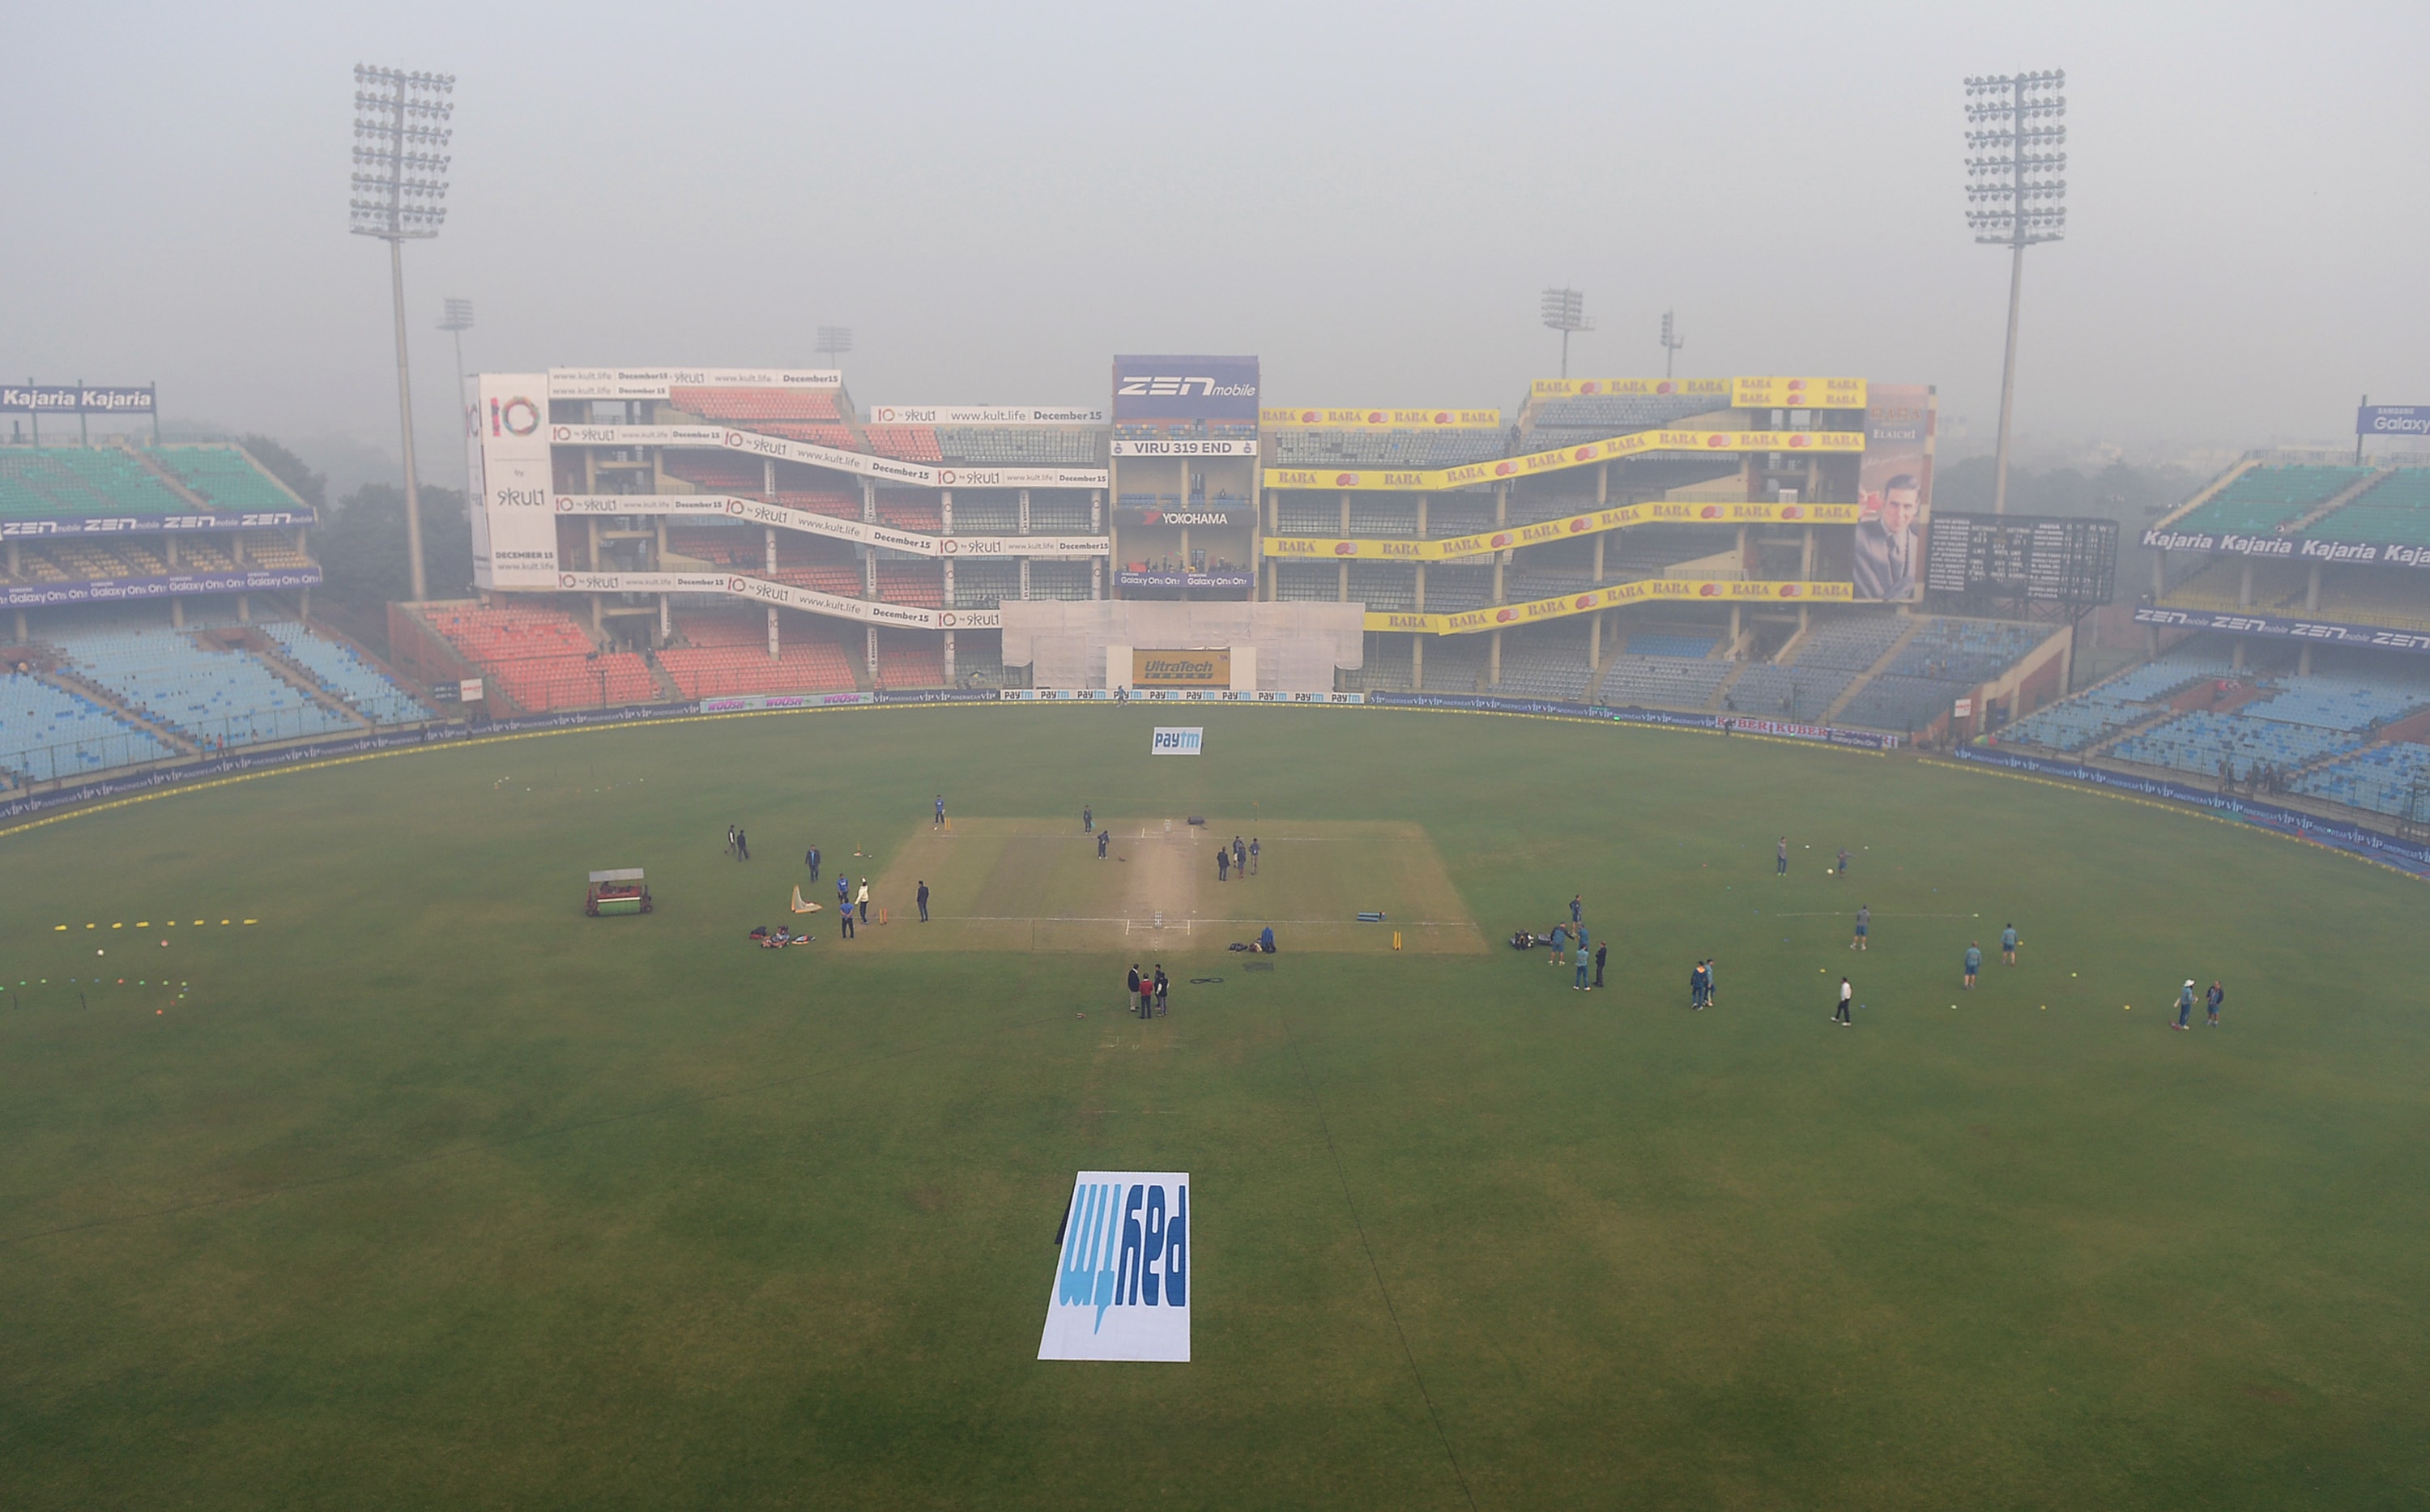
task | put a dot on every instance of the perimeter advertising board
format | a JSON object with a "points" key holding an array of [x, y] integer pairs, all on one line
{"points": [[1182, 669], [987, 415], [1123, 1278], [1186, 388], [2412, 422], [514, 529], [656, 383], [75, 399]]}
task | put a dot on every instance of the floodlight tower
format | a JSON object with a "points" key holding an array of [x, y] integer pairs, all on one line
{"points": [[2013, 200], [1565, 310], [834, 341], [1672, 342], [455, 320], [400, 128]]}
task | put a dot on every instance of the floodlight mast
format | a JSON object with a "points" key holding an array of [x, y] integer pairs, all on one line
{"points": [[834, 341], [1565, 310], [400, 128], [1672, 342], [2013, 202]]}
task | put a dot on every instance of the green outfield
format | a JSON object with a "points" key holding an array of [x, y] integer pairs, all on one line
{"points": [[423, 1189]]}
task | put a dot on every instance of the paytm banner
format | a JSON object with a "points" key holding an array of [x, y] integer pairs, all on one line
{"points": [[2393, 420], [1176, 739], [1186, 388], [1121, 1285]]}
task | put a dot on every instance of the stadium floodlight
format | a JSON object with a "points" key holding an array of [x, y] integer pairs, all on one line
{"points": [[401, 132], [1672, 342], [456, 321], [1565, 310], [834, 341], [2013, 195]]}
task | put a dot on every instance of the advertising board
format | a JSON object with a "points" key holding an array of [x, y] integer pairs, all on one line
{"points": [[1182, 669], [76, 399], [655, 383], [1185, 387], [1379, 418], [989, 415], [514, 526], [1170, 739], [1186, 447], [2412, 422], [1895, 488], [1123, 1273]]}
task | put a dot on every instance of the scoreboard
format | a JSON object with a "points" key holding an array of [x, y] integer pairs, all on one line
{"points": [[2044, 558]]}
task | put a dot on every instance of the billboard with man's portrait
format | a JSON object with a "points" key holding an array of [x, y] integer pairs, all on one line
{"points": [[1894, 492]]}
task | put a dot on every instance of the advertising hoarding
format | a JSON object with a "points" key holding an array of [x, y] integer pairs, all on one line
{"points": [[655, 383], [1123, 1274], [1185, 387], [1896, 489], [989, 415], [76, 399], [2411, 422], [1717, 390], [1181, 669], [514, 529], [1379, 418]]}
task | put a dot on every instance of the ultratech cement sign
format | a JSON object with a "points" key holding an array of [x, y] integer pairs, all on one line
{"points": [[1181, 669]]}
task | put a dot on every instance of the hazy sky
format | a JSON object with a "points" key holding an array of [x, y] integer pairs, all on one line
{"points": [[997, 198]]}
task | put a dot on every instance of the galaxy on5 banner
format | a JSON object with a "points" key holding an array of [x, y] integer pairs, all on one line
{"points": [[514, 539], [1122, 1283], [1186, 388], [1895, 488]]}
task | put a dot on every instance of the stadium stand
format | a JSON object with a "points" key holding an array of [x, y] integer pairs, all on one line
{"points": [[2364, 596], [2266, 498], [346, 676], [1597, 416], [1964, 651], [48, 733], [978, 660], [820, 501], [983, 585], [908, 443], [1795, 693], [2126, 700], [225, 697], [836, 436], [915, 582], [1384, 585], [1456, 664], [2276, 585], [906, 509], [1851, 642], [1454, 587], [986, 514], [1371, 516], [1458, 514], [1306, 582], [2382, 779], [1413, 449], [222, 475], [2393, 511], [1063, 580], [716, 472], [905, 661], [727, 653], [1299, 514], [2199, 740], [1662, 682], [1545, 663], [743, 404], [1679, 643], [83, 483], [541, 658], [1021, 447], [1058, 514]]}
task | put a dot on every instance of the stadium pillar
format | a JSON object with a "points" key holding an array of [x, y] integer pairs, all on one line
{"points": [[13, 565], [946, 510], [872, 653], [951, 676], [244, 609], [591, 526], [21, 627], [1021, 524], [868, 500], [1595, 641], [1096, 511], [1734, 632], [1493, 660], [2312, 591], [2244, 585], [666, 615], [2236, 658], [169, 547], [2304, 661], [1417, 657], [1096, 577], [660, 563], [598, 614], [178, 613], [1025, 580], [776, 643], [1420, 604], [1806, 574], [769, 546]]}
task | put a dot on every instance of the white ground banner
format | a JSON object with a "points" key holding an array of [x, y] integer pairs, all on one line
{"points": [[1176, 739], [1122, 1283]]}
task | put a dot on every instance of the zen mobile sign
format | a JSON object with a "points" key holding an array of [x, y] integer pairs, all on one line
{"points": [[1186, 388], [74, 399], [1122, 1281]]}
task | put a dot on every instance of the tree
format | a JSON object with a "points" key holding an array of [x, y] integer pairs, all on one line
{"points": [[289, 468], [363, 547]]}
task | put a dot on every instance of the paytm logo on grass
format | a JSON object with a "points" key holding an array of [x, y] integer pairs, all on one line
{"points": [[1122, 1286], [1174, 740]]}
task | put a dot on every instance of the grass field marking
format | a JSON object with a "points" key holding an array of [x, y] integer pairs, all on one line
{"points": [[2188, 811]]}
